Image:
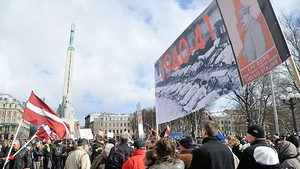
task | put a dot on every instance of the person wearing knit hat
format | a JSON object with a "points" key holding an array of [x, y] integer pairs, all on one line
{"points": [[259, 153], [186, 151]]}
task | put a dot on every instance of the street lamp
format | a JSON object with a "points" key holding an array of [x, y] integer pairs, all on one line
{"points": [[291, 99]]}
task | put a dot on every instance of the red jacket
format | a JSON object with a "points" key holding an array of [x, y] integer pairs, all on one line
{"points": [[137, 161]]}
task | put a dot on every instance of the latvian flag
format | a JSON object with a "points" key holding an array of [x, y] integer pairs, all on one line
{"points": [[166, 132], [39, 113], [153, 132]]}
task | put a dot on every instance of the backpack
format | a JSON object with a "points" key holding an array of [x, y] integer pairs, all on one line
{"points": [[266, 158], [116, 158], [57, 151]]}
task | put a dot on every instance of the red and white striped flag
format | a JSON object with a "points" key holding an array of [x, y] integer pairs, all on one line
{"points": [[45, 133], [166, 132], [39, 113], [153, 132]]}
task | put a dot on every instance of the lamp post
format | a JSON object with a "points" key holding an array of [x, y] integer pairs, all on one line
{"points": [[291, 99]]}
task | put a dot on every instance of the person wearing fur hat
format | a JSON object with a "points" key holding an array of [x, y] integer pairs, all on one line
{"points": [[100, 160], [186, 151], [259, 154]]}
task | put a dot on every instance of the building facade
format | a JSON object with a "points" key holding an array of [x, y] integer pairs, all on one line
{"points": [[90, 118], [11, 112], [112, 123]]}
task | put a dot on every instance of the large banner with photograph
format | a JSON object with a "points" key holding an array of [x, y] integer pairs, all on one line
{"points": [[232, 43], [255, 35], [197, 69]]}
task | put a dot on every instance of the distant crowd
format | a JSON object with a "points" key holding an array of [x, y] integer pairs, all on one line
{"points": [[211, 151]]}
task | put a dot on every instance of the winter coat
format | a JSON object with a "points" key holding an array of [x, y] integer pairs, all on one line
{"points": [[236, 150], [100, 160], [37, 154], [186, 156], [288, 154], [78, 159], [169, 165], [293, 140], [21, 160], [137, 161], [247, 160], [212, 155]]}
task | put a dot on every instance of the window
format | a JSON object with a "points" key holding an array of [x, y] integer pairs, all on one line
{"points": [[120, 131], [121, 119], [15, 106], [105, 124], [117, 131], [120, 124], [124, 124], [221, 122], [128, 131], [228, 122], [113, 131], [109, 130], [114, 124], [9, 112], [225, 122], [117, 124], [109, 124]]}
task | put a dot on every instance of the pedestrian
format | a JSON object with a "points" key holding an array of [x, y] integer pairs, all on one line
{"points": [[47, 153], [212, 154], [186, 151], [37, 155], [165, 149], [137, 161], [234, 144], [288, 155], [22, 160], [57, 155], [79, 159], [121, 150], [151, 143], [259, 153], [149, 159], [100, 161]]}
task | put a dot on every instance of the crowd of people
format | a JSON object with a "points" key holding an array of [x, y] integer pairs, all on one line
{"points": [[211, 151]]}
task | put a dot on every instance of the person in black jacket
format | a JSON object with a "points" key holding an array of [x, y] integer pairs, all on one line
{"points": [[22, 160], [213, 154], [256, 137]]}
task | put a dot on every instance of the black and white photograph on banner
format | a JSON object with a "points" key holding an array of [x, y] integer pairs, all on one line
{"points": [[197, 69]]}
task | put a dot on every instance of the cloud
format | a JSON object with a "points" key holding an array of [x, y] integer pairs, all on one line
{"points": [[116, 45]]}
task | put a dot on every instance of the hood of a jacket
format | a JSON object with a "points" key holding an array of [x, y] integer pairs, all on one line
{"points": [[286, 150]]}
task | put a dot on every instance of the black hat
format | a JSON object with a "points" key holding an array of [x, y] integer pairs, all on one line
{"points": [[256, 131], [82, 142], [139, 143], [186, 142]]}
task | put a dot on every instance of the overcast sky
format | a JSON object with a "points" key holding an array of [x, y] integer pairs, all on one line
{"points": [[116, 45]]}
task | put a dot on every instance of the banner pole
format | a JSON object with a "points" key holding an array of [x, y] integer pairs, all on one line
{"points": [[295, 71], [12, 144], [26, 143]]}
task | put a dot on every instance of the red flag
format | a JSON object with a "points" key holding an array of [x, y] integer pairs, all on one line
{"points": [[166, 132], [153, 132], [37, 112]]}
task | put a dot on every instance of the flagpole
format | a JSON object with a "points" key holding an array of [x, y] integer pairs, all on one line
{"points": [[34, 136], [12, 143]]}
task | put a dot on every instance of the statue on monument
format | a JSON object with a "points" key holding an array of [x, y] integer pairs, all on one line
{"points": [[71, 47]]}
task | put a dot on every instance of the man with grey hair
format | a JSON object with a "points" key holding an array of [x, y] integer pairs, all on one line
{"points": [[79, 159], [22, 160], [254, 41], [114, 159]]}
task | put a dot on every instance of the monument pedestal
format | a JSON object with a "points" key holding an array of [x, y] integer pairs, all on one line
{"points": [[74, 127]]}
